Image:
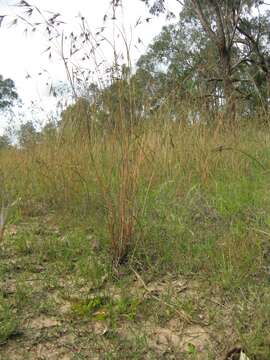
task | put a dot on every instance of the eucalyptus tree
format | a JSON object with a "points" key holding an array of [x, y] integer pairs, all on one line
{"points": [[221, 21]]}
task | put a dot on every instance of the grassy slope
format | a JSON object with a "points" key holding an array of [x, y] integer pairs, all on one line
{"points": [[187, 229]]}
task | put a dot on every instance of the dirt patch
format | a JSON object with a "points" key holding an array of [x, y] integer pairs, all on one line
{"points": [[45, 351], [42, 322], [191, 339]]}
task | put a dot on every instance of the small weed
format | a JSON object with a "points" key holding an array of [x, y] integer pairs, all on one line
{"points": [[94, 307], [125, 308], [103, 307]]}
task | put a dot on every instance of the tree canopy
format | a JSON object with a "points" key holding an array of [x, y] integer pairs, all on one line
{"points": [[231, 43]]}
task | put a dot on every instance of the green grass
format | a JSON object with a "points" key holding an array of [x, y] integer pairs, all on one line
{"points": [[85, 223], [8, 321]]}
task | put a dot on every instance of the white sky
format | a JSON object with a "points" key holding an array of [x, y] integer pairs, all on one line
{"points": [[22, 55]]}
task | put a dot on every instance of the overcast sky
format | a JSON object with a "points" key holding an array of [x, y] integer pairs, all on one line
{"points": [[22, 55]]}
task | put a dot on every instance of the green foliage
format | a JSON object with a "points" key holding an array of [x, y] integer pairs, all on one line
{"points": [[103, 307], [49, 132], [90, 307], [27, 135], [177, 62], [220, 60], [5, 142], [8, 93]]}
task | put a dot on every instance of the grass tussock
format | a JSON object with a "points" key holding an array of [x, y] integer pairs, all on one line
{"points": [[163, 193]]}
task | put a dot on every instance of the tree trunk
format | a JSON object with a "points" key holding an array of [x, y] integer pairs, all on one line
{"points": [[229, 91]]}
